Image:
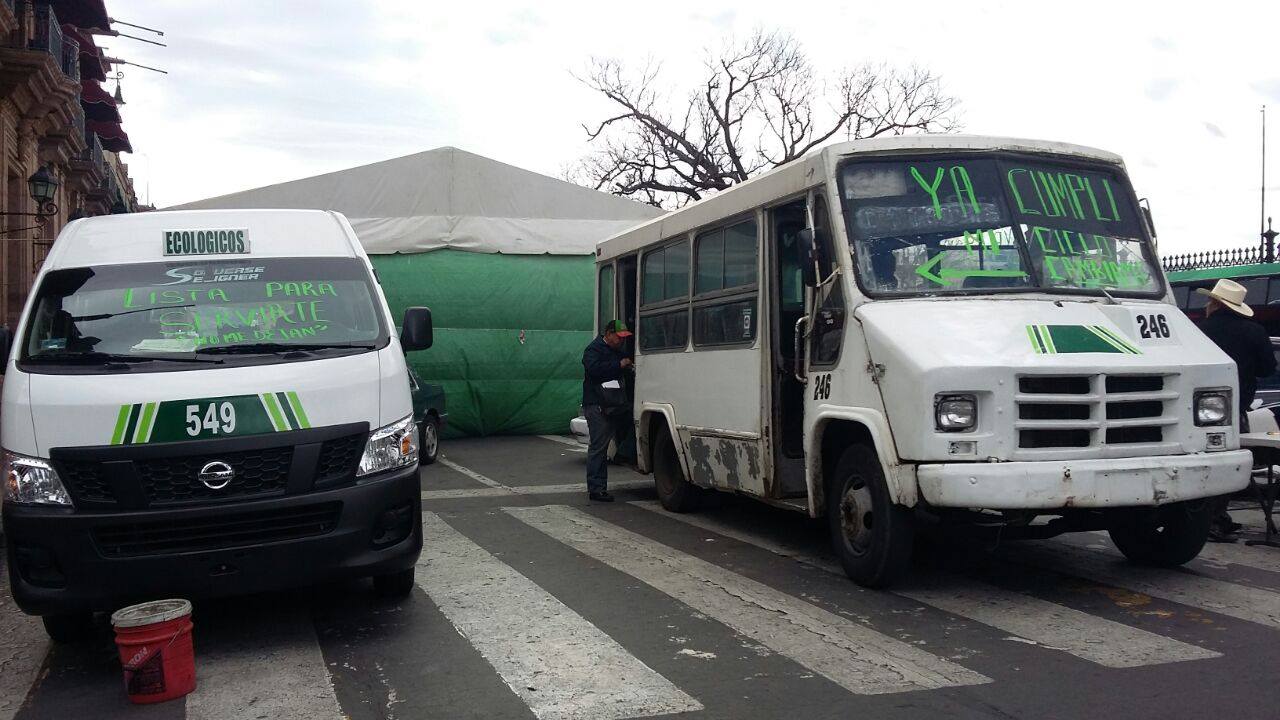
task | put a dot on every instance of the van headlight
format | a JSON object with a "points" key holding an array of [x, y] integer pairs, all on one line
{"points": [[389, 447], [1213, 407], [955, 413], [32, 481]]}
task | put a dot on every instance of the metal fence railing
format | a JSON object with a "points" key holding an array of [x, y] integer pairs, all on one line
{"points": [[71, 58], [93, 150], [1219, 258]]}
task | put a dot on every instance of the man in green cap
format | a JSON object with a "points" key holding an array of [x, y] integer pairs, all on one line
{"points": [[604, 403]]}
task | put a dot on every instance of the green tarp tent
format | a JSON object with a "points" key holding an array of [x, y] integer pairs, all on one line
{"points": [[502, 256]]}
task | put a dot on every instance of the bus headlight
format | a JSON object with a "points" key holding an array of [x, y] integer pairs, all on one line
{"points": [[955, 413], [32, 481], [389, 447], [1213, 407]]}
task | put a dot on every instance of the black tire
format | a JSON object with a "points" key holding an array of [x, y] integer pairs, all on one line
{"points": [[394, 585], [70, 628], [1170, 537], [429, 440], [674, 492], [872, 536]]}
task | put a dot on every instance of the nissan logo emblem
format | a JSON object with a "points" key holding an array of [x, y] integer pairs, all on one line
{"points": [[216, 475]]}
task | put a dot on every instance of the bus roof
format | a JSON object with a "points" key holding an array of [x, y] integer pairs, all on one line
{"points": [[141, 237], [810, 170]]}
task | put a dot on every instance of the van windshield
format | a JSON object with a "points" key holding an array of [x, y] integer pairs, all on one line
{"points": [[975, 224], [169, 313]]}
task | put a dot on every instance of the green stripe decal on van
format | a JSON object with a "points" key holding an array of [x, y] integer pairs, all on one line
{"points": [[273, 409], [1072, 339], [208, 418], [146, 423], [122, 419], [301, 414]]}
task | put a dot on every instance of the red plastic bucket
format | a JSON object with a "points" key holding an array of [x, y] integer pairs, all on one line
{"points": [[154, 640]]}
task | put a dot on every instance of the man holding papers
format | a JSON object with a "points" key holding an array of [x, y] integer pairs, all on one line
{"points": [[605, 404]]}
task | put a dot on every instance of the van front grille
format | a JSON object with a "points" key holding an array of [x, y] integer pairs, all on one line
{"points": [[216, 532], [1095, 410]]}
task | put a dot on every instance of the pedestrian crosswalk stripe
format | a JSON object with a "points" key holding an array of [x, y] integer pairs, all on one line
{"points": [[1178, 585], [1086, 636], [512, 490], [276, 666], [483, 480], [558, 663], [844, 651]]}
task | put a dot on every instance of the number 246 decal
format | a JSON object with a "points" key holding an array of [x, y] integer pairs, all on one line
{"points": [[1153, 326], [822, 386]]}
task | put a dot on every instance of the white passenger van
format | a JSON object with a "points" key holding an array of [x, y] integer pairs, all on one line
{"points": [[206, 403], [928, 329]]}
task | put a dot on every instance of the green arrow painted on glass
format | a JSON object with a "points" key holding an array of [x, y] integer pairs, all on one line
{"points": [[946, 276]]}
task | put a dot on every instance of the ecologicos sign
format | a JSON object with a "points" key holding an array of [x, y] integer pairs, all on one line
{"points": [[206, 242], [199, 418]]}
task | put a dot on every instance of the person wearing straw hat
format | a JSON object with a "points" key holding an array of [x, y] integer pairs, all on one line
{"points": [[1228, 323]]}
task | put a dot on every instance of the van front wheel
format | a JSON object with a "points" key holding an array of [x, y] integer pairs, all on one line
{"points": [[674, 492], [1169, 537], [871, 534]]}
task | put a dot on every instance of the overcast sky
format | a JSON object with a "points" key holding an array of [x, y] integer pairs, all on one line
{"points": [[262, 91]]}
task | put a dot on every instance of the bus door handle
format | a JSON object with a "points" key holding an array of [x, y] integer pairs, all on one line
{"points": [[798, 370]]}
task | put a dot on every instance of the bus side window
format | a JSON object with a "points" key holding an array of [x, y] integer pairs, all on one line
{"points": [[604, 294], [828, 323]]}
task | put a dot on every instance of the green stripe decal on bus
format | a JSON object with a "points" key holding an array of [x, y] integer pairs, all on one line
{"points": [[296, 404], [132, 426], [1073, 339]]}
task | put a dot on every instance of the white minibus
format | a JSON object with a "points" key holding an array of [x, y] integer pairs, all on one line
{"points": [[908, 332]]}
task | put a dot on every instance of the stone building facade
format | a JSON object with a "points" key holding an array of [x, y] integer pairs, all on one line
{"points": [[55, 115]]}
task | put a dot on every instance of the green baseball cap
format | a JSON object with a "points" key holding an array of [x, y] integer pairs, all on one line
{"points": [[617, 326]]}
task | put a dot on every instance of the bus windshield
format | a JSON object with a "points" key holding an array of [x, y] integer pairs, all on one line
{"points": [[165, 313], [1008, 223]]}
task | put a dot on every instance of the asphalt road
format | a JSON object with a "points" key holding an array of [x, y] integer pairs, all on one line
{"points": [[532, 603]]}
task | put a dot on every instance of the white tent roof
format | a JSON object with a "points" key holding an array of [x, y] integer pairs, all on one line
{"points": [[450, 198]]}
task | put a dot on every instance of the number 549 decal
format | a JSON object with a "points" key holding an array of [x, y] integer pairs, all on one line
{"points": [[216, 417], [199, 418]]}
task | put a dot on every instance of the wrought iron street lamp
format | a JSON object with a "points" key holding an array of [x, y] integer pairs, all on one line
{"points": [[43, 187]]}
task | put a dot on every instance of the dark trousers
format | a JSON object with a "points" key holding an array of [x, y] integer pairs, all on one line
{"points": [[603, 427]]}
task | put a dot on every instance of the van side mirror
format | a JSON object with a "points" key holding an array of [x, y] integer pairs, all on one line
{"points": [[415, 331], [6, 344], [807, 248]]}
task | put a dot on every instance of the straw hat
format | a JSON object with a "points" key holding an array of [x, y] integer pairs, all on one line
{"points": [[1231, 294]]}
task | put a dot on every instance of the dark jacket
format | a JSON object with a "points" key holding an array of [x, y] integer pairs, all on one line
{"points": [[600, 363], [1246, 342]]}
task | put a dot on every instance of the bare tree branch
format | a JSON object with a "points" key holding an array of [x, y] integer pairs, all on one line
{"points": [[759, 106]]}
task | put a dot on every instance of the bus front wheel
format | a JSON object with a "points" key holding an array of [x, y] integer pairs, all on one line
{"points": [[1169, 537], [674, 492], [871, 534]]}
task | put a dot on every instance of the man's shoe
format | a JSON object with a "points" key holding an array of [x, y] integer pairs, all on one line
{"points": [[602, 496]]}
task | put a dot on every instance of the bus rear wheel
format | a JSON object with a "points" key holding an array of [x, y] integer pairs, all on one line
{"points": [[871, 535], [1169, 537], [674, 492]]}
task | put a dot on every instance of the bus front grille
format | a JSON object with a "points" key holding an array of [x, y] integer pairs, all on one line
{"points": [[1093, 410]]}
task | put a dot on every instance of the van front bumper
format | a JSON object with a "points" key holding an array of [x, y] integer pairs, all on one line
{"points": [[62, 561], [1046, 485]]}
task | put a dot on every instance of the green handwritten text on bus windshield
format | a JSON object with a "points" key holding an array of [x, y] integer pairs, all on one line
{"points": [[211, 316], [1062, 195]]}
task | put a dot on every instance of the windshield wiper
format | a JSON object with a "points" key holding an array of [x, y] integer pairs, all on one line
{"points": [[94, 357], [265, 348], [104, 316]]}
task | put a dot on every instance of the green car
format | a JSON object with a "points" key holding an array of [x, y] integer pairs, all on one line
{"points": [[429, 413]]}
